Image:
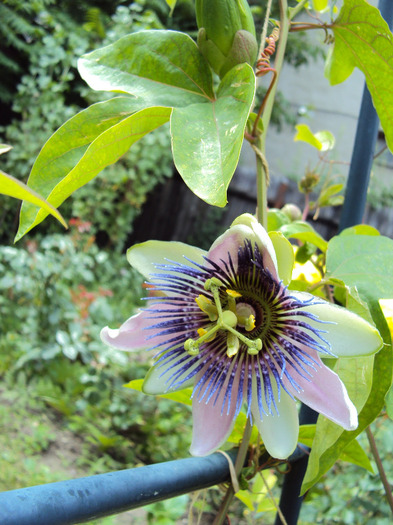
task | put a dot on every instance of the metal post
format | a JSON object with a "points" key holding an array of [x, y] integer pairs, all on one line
{"points": [[352, 213]]}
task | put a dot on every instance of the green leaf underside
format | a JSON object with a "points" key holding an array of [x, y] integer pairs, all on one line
{"points": [[363, 261], [363, 40], [15, 188], [180, 396], [207, 138], [162, 68], [352, 453], [304, 134], [65, 148], [305, 232], [106, 149]]}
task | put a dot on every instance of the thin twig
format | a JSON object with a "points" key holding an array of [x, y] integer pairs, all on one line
{"points": [[265, 25], [239, 463], [272, 499], [382, 474]]}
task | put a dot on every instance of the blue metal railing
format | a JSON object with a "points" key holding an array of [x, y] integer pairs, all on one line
{"points": [[84, 499]]}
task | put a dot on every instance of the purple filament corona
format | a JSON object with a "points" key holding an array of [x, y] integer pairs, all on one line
{"points": [[287, 331]]}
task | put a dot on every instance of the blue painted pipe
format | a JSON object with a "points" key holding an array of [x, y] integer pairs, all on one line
{"points": [[84, 499]]}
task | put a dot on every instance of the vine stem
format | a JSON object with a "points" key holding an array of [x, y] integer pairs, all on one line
{"points": [[260, 141], [239, 463], [382, 474]]}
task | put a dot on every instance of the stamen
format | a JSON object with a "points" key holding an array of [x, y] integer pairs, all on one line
{"points": [[233, 344], [203, 331], [233, 293], [207, 307]]}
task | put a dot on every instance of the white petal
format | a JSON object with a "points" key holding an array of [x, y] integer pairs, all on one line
{"points": [[158, 378], [325, 393], [212, 424], [349, 334], [279, 432], [130, 336], [245, 227], [145, 256], [137, 332]]}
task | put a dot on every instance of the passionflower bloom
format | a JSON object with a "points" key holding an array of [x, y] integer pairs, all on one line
{"points": [[225, 322]]}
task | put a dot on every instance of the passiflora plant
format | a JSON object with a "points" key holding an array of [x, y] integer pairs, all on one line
{"points": [[246, 334]]}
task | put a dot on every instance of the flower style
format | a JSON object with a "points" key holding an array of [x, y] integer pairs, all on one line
{"points": [[226, 323]]}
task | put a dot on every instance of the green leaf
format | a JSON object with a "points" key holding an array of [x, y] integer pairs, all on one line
{"points": [[364, 262], [180, 396], [161, 68], [304, 134], [322, 140], [305, 232], [330, 439], [275, 219], [360, 229], [172, 4], [15, 188], [4, 148], [320, 5], [353, 452], [363, 40], [207, 137], [329, 194], [106, 149], [389, 403], [65, 148]]}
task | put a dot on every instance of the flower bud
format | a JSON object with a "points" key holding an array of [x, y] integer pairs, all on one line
{"points": [[226, 34], [308, 182], [292, 211]]}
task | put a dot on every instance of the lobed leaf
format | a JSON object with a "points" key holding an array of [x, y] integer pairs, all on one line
{"points": [[15, 188], [161, 68], [363, 39], [60, 169], [304, 232], [65, 148], [321, 140], [207, 137]]}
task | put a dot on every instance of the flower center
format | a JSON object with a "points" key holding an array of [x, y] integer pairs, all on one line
{"points": [[225, 319]]}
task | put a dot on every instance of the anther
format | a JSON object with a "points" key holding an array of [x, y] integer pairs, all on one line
{"points": [[232, 344], [207, 306]]}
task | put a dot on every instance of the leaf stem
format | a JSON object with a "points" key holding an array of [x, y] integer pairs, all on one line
{"points": [[382, 474], [239, 463], [293, 11]]}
